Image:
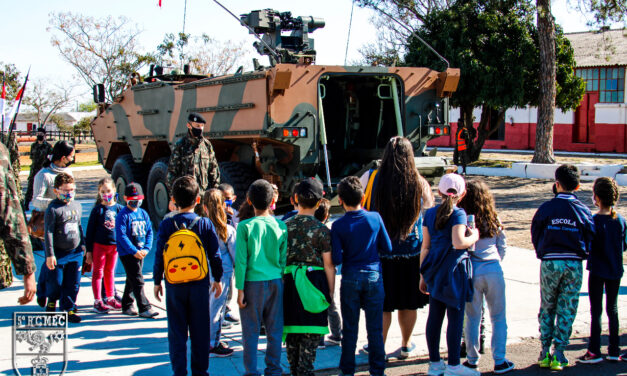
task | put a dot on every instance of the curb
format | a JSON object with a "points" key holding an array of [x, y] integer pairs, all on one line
{"points": [[73, 169]]}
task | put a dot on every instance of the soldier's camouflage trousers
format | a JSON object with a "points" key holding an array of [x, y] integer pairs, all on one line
{"points": [[560, 282], [6, 273], [301, 353]]}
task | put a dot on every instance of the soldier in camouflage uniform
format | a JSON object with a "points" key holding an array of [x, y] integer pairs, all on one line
{"points": [[39, 151], [14, 233], [14, 155], [193, 155], [308, 258]]}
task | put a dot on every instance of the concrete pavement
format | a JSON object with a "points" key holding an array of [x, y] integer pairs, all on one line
{"points": [[123, 345]]}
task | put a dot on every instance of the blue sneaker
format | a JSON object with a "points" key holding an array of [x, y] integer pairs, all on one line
{"points": [[406, 352]]}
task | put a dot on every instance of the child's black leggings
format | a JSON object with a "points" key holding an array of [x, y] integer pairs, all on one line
{"points": [[595, 289]]}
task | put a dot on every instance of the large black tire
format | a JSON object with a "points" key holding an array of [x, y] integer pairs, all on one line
{"points": [[240, 176], [158, 195], [126, 171]]}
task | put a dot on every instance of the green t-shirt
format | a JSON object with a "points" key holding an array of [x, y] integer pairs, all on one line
{"points": [[260, 250]]}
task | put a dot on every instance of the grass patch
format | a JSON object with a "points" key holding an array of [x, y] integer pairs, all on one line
{"points": [[491, 163], [78, 164]]}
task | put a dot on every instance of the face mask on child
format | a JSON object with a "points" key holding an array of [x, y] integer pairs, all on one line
{"points": [[135, 203], [273, 207], [66, 197], [109, 198], [228, 202]]}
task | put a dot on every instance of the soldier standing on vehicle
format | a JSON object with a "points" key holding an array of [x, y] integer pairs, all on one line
{"points": [[14, 233], [39, 151], [193, 155], [460, 154]]}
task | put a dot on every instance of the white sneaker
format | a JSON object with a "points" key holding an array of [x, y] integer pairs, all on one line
{"points": [[436, 368], [461, 370]]}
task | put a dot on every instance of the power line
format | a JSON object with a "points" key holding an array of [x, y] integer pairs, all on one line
{"points": [[350, 23]]}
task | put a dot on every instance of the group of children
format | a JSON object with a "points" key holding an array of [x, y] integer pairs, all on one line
{"points": [[285, 272], [113, 230]]}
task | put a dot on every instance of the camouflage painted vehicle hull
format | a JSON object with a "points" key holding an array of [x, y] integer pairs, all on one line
{"points": [[307, 120]]}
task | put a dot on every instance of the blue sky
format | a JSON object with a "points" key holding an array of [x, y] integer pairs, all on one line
{"points": [[26, 41]]}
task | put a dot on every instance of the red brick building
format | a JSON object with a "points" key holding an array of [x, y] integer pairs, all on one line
{"points": [[599, 124]]}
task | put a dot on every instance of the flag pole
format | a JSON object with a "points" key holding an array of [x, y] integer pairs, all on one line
{"points": [[12, 126], [4, 99]]}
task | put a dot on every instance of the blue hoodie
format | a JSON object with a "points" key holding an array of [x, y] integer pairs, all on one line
{"points": [[562, 229], [133, 231]]}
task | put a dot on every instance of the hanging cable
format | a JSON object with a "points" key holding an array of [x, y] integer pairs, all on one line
{"points": [[350, 23]]}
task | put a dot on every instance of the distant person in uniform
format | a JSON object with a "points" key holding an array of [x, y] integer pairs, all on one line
{"points": [[39, 152], [193, 155], [14, 234], [460, 154]]}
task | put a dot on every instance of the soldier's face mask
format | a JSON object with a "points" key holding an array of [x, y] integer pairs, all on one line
{"points": [[196, 132], [40, 137]]}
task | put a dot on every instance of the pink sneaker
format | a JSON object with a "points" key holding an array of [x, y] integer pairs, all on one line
{"points": [[114, 304], [100, 307]]}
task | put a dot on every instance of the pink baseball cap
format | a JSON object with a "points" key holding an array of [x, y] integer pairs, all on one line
{"points": [[452, 182]]}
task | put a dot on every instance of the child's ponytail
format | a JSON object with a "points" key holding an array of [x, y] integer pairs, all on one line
{"points": [[444, 211], [607, 193]]}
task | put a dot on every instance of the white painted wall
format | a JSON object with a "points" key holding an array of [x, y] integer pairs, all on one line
{"points": [[520, 115], [610, 113]]}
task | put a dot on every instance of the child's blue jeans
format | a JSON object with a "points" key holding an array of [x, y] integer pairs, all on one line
{"points": [[63, 282], [362, 290]]}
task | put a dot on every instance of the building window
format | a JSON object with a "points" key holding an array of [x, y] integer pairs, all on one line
{"points": [[608, 82]]}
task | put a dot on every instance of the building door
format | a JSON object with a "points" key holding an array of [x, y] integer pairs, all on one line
{"points": [[584, 118]]}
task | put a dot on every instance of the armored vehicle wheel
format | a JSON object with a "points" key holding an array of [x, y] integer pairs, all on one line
{"points": [[158, 196], [240, 176], [126, 171]]}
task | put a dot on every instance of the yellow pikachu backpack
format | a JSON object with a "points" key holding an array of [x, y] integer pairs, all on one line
{"points": [[184, 257]]}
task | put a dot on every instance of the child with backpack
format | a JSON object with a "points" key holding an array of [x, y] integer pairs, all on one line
{"points": [[261, 246], [214, 208], [358, 238], [101, 246], [446, 274], [186, 243], [133, 236], [605, 265], [487, 277], [561, 231], [64, 246], [309, 276]]}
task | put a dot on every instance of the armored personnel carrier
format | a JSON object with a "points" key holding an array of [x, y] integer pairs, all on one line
{"points": [[285, 121]]}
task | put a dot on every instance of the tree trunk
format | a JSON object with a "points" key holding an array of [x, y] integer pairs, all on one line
{"points": [[546, 108]]}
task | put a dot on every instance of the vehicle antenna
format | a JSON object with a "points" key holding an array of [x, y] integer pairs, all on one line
{"points": [[350, 24], [414, 33], [272, 50]]}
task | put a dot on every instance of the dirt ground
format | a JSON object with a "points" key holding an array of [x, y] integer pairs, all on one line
{"points": [[516, 199]]}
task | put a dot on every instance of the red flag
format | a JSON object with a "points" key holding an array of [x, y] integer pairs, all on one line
{"points": [[2, 102], [16, 102], [159, 3]]}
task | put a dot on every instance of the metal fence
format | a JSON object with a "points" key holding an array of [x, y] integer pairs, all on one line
{"points": [[77, 137]]}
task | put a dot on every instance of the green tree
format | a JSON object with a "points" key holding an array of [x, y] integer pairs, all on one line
{"points": [[87, 107], [102, 50], [12, 79], [604, 11], [494, 43]]}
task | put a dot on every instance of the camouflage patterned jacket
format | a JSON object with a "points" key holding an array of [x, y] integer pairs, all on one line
{"points": [[12, 222], [307, 240], [38, 154], [14, 156], [194, 157]]}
